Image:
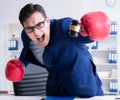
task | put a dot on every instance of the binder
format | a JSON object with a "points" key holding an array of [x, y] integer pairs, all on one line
{"points": [[57, 98]]}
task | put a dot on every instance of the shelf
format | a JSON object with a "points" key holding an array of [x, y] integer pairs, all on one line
{"points": [[108, 78], [105, 55], [14, 51], [106, 64], [113, 36], [14, 41], [102, 50], [110, 93]]}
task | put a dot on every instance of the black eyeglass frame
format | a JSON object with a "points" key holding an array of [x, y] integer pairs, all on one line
{"points": [[39, 25]]}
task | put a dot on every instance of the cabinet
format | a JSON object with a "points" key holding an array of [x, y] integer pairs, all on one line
{"points": [[14, 40], [105, 55], [14, 46]]}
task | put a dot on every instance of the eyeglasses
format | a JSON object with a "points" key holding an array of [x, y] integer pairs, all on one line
{"points": [[37, 26]]}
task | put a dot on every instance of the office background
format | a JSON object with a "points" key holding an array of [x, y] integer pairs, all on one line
{"points": [[9, 11]]}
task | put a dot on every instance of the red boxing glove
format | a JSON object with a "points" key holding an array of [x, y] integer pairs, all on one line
{"points": [[96, 25], [14, 70]]}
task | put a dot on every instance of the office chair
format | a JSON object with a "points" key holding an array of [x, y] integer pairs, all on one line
{"points": [[33, 82]]}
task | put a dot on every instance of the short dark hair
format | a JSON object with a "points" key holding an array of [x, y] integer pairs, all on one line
{"points": [[28, 10]]}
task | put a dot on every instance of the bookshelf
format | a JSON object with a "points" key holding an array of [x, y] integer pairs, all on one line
{"points": [[105, 55]]}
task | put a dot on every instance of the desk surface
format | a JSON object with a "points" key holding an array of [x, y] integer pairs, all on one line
{"points": [[20, 97], [39, 98]]}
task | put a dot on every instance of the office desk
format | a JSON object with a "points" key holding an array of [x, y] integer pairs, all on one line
{"points": [[20, 97], [39, 98]]}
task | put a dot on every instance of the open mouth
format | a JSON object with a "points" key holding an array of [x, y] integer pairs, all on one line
{"points": [[42, 38]]}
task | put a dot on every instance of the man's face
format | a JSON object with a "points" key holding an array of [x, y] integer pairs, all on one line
{"points": [[38, 28]]}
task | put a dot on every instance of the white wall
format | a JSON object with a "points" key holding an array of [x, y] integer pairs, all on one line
{"points": [[9, 10]]}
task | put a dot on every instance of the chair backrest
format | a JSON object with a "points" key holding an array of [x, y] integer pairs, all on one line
{"points": [[33, 83]]}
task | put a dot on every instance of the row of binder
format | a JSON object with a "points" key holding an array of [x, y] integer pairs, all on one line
{"points": [[13, 44], [112, 57], [113, 86], [113, 28]]}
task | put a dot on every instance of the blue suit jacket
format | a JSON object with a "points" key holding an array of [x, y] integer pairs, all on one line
{"points": [[70, 65]]}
